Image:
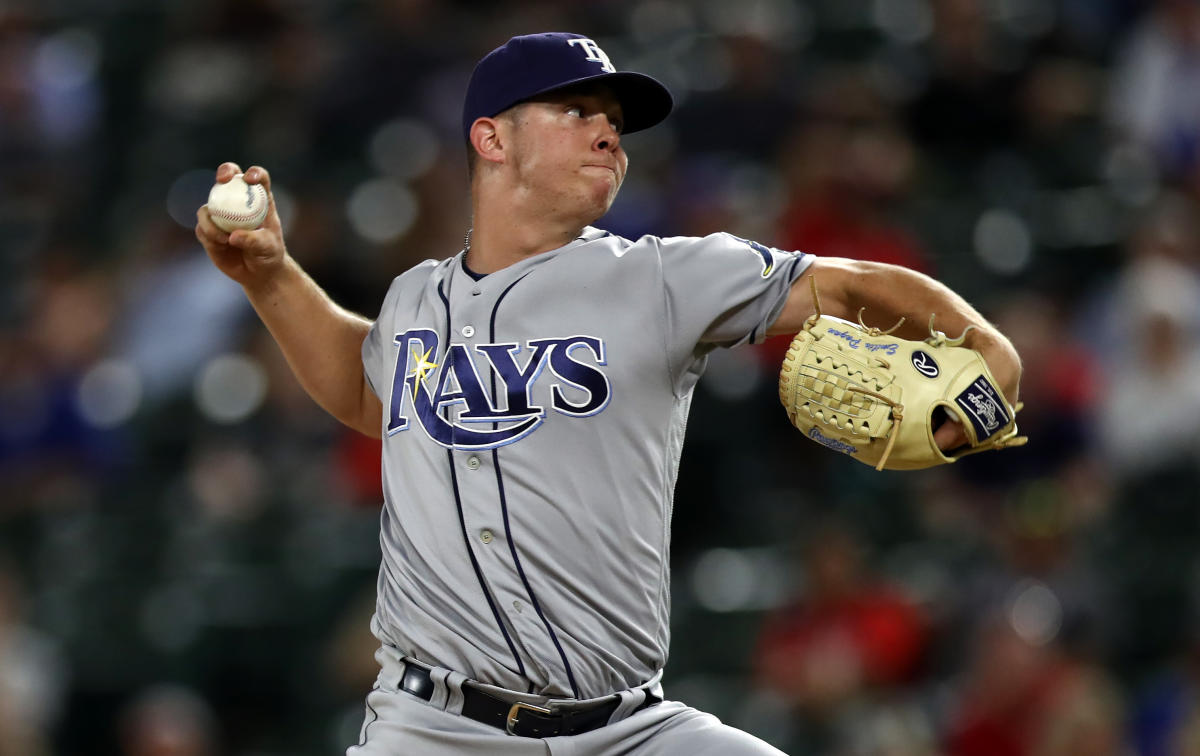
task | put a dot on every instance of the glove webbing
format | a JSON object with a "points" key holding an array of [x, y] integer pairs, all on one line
{"points": [[897, 410], [896, 407]]}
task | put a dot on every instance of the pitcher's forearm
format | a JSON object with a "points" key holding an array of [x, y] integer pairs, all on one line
{"points": [[893, 289], [889, 292], [322, 343]]}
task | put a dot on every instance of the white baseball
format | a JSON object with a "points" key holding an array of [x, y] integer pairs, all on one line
{"points": [[236, 204]]}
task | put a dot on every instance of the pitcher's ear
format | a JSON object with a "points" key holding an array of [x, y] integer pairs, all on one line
{"points": [[486, 139]]}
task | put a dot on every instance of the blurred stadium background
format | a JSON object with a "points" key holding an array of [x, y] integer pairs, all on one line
{"points": [[188, 546]]}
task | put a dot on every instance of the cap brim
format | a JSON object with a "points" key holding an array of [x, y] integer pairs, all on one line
{"points": [[644, 100]]}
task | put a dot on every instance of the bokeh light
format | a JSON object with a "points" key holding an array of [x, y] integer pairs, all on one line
{"points": [[230, 388], [109, 393], [404, 149], [381, 210], [1003, 242]]}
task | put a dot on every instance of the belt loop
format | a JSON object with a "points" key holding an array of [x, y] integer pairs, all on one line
{"points": [[630, 700], [437, 676], [391, 668], [452, 685]]}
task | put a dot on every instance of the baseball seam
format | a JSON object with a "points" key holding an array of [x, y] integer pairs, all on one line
{"points": [[240, 217]]}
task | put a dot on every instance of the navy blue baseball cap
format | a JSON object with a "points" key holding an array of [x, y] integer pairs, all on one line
{"points": [[535, 64]]}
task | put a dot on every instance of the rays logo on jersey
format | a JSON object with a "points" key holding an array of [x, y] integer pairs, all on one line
{"points": [[448, 397], [762, 251]]}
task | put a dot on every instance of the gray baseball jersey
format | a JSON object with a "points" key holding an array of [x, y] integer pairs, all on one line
{"points": [[533, 422]]}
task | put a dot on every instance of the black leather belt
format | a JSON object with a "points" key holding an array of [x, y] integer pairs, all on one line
{"points": [[526, 720]]}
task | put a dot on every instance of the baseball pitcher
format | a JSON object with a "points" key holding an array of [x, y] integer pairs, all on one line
{"points": [[531, 392]]}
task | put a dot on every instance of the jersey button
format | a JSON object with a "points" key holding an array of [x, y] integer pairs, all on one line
{"points": [[485, 536], [473, 462], [468, 331]]}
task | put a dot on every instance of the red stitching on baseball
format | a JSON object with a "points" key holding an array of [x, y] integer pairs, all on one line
{"points": [[241, 216]]}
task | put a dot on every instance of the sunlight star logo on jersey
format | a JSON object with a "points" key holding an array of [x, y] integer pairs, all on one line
{"points": [[594, 53], [762, 251], [449, 399], [422, 369]]}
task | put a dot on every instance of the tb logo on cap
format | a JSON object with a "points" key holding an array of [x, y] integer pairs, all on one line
{"points": [[594, 53]]}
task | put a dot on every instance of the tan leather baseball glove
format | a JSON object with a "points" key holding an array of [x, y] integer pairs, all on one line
{"points": [[877, 397]]}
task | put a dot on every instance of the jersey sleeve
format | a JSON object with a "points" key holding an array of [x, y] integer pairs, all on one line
{"points": [[722, 290]]}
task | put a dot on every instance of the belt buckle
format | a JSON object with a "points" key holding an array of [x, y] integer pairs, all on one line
{"points": [[515, 711]]}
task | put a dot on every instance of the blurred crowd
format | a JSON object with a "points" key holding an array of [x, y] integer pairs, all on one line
{"points": [[188, 545]]}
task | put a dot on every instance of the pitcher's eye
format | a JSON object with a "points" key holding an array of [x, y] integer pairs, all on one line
{"points": [[575, 110]]}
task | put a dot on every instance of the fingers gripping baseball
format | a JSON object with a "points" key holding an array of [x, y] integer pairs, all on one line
{"points": [[247, 255]]}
